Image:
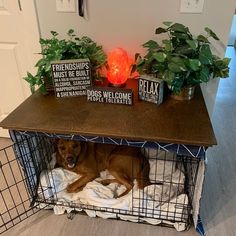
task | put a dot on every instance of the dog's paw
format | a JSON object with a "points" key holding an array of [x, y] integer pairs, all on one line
{"points": [[71, 188]]}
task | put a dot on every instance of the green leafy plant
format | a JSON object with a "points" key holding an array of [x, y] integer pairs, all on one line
{"points": [[55, 49], [182, 59]]}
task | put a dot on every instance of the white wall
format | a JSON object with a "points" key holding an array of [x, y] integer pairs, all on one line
{"points": [[128, 24]]}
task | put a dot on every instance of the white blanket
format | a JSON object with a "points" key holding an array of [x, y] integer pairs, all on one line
{"points": [[151, 204]]}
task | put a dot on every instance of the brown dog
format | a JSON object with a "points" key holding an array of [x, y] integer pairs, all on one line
{"points": [[88, 159]]}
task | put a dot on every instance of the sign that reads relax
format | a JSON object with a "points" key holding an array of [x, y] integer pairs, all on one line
{"points": [[110, 95], [150, 89], [71, 77]]}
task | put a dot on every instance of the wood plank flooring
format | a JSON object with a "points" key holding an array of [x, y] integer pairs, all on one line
{"points": [[218, 205]]}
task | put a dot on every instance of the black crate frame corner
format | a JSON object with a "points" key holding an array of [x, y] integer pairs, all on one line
{"points": [[19, 166]]}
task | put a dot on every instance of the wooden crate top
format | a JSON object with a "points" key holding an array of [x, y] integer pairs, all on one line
{"points": [[180, 122]]}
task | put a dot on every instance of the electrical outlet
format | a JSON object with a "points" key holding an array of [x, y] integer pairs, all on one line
{"points": [[191, 6], [65, 5]]}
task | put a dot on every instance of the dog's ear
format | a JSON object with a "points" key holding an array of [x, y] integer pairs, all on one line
{"points": [[59, 161], [55, 142], [57, 165]]}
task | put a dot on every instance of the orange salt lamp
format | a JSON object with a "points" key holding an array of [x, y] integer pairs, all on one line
{"points": [[118, 67]]}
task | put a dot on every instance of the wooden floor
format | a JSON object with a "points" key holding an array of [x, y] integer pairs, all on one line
{"points": [[218, 205]]}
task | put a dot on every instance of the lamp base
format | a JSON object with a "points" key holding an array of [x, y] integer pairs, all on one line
{"points": [[117, 85]]}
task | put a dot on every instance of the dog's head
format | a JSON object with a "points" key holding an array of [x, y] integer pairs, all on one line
{"points": [[68, 152]]}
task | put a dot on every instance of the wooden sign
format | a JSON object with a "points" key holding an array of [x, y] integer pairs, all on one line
{"points": [[71, 77], [110, 95], [150, 89]]}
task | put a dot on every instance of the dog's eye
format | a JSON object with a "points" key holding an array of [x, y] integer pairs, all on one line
{"points": [[62, 148]]}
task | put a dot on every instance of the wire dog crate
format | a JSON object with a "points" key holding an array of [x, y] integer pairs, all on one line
{"points": [[29, 182]]}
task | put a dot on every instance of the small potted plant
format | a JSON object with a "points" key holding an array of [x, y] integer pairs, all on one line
{"points": [[55, 49], [182, 60]]}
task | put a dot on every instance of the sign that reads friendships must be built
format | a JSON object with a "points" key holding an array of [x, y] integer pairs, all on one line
{"points": [[71, 77], [110, 95]]}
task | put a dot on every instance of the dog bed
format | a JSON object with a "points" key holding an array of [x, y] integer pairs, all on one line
{"points": [[148, 205]]}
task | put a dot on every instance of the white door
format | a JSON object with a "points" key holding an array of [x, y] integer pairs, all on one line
{"points": [[19, 37]]}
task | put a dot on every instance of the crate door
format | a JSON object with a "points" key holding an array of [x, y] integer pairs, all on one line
{"points": [[15, 198]]}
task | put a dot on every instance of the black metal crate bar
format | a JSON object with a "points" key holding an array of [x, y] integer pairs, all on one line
{"points": [[23, 163], [15, 197]]}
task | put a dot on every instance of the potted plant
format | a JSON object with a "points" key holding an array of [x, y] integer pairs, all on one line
{"points": [[55, 49], [182, 60]]}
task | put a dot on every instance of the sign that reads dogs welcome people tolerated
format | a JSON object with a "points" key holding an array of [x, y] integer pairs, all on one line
{"points": [[110, 95], [71, 77]]}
